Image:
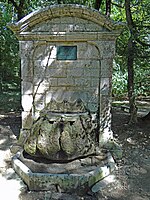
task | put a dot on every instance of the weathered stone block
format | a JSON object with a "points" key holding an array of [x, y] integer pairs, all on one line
{"points": [[92, 106], [66, 81], [48, 97], [91, 72], [90, 52], [105, 86], [25, 47], [39, 101], [81, 36], [27, 120], [75, 72], [26, 68], [106, 68], [66, 27], [27, 100], [57, 72], [107, 49], [41, 88], [52, 82], [79, 82], [67, 20], [44, 52], [26, 87], [95, 82], [92, 97]]}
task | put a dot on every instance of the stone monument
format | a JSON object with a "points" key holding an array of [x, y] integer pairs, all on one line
{"points": [[66, 55]]}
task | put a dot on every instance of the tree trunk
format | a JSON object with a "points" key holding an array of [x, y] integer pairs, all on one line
{"points": [[98, 4], [130, 60], [20, 8], [130, 64], [1, 85], [20, 14], [131, 96], [108, 8]]}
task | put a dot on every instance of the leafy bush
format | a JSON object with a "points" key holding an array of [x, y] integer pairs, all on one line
{"points": [[119, 82]]}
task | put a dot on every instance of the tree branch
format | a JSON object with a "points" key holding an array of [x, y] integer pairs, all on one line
{"points": [[115, 4]]}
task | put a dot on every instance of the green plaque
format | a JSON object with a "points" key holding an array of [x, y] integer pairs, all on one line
{"points": [[67, 53]]}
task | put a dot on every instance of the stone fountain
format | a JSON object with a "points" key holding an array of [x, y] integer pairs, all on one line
{"points": [[67, 56]]}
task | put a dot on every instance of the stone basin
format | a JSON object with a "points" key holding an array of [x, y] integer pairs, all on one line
{"points": [[81, 173]]}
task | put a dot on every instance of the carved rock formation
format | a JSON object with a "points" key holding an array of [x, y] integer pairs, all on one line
{"points": [[63, 136]]}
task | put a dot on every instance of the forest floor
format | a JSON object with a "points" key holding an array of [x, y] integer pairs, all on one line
{"points": [[130, 181]]}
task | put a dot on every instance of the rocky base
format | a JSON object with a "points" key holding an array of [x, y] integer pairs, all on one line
{"points": [[63, 136]]}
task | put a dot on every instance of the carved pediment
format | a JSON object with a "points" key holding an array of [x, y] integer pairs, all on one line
{"points": [[65, 18], [67, 24]]}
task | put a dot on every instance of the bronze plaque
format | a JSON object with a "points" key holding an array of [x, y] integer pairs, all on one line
{"points": [[66, 52]]}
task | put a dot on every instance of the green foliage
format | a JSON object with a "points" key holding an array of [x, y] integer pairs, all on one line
{"points": [[9, 65], [10, 98], [142, 83], [119, 83], [140, 13], [43, 3]]}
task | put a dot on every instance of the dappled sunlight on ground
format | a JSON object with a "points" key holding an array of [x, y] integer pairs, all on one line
{"points": [[9, 188]]}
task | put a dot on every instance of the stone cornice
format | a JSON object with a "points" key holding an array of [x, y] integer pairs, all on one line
{"points": [[72, 36]]}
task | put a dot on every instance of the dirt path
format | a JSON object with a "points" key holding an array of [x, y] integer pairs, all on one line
{"points": [[10, 184], [130, 182], [134, 169]]}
